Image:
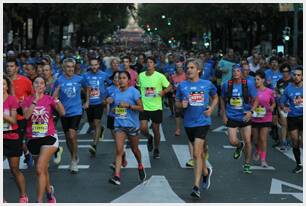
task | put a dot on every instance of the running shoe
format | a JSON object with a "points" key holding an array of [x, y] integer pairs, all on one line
{"points": [[58, 156], [23, 199], [74, 166], [297, 169], [150, 143], [93, 149], [237, 153], [142, 173], [50, 196], [247, 169], [28, 159], [156, 154], [190, 163], [264, 163], [206, 179], [115, 180], [102, 134], [195, 192]]}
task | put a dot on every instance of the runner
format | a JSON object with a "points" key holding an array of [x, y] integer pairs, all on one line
{"points": [[285, 69], [96, 81], [22, 88], [127, 67], [69, 86], [292, 103], [127, 104], [151, 85], [41, 134], [193, 97], [262, 118], [12, 143], [239, 100]]}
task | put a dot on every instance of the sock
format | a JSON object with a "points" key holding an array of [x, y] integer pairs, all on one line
{"points": [[263, 156], [117, 174], [297, 155]]}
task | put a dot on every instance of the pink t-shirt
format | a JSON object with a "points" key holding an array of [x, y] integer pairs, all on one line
{"points": [[40, 124], [265, 100], [133, 75], [10, 104]]}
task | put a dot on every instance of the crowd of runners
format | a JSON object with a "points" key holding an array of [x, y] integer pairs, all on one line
{"points": [[260, 95]]}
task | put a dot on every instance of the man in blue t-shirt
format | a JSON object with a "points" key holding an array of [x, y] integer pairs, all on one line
{"points": [[239, 100], [292, 103], [193, 97], [96, 81], [68, 90]]}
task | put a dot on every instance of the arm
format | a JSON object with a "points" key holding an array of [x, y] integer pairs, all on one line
{"points": [[222, 112], [11, 119], [137, 107], [212, 106], [59, 107], [165, 91]]}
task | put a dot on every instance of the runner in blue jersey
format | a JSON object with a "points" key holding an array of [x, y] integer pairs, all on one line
{"points": [[272, 76], [68, 90], [246, 73], [239, 100], [96, 81], [292, 103], [193, 96], [127, 104]]}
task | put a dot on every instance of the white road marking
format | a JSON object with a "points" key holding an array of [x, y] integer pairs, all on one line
{"points": [[254, 167], [22, 166], [84, 128], [154, 190], [276, 188], [182, 155], [64, 167], [228, 147], [220, 129], [162, 135], [132, 163], [104, 140], [289, 153]]}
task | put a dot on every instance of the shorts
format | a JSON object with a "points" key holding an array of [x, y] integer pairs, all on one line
{"points": [[261, 124], [129, 131], [234, 124], [22, 128], [35, 144], [72, 122], [12, 147], [94, 112], [110, 122], [295, 123], [197, 132], [155, 116]]}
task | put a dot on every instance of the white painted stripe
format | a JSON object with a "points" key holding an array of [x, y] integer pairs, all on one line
{"points": [[67, 167], [162, 135], [22, 166], [182, 155], [132, 163], [277, 185], [155, 190], [84, 128], [289, 153], [262, 168], [84, 146], [228, 147], [220, 129], [104, 140]]}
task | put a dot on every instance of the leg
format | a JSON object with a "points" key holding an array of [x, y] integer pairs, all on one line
{"points": [[257, 143], [156, 132], [19, 177], [67, 137], [263, 134], [73, 143], [295, 145], [134, 140], [97, 133], [120, 139], [247, 140], [199, 160], [232, 135], [144, 128]]}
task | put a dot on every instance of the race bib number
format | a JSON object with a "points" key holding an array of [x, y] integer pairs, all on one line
{"points": [[94, 93], [260, 111], [196, 98], [236, 102], [150, 92], [298, 101], [39, 130], [121, 113]]}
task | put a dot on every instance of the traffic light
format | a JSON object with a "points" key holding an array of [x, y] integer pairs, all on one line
{"points": [[286, 33]]}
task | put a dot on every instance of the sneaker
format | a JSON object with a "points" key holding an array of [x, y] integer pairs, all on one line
{"points": [[23, 199], [115, 180], [28, 159], [297, 169], [264, 163], [50, 196], [102, 134], [58, 156], [93, 150], [150, 143], [206, 179], [237, 153], [74, 166], [142, 173], [195, 192], [247, 169], [156, 154], [190, 163], [256, 156]]}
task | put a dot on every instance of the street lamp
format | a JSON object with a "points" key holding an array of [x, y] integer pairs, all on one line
{"points": [[163, 16], [155, 29]]}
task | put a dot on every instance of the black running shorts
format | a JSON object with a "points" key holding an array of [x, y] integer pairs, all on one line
{"points": [[94, 112], [197, 132], [295, 123], [155, 116], [72, 122]]}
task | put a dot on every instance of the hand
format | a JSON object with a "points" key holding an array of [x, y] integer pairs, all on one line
{"points": [[86, 105], [124, 105], [224, 118], [36, 96], [162, 93], [208, 111], [56, 92], [247, 116], [109, 100], [184, 104]]}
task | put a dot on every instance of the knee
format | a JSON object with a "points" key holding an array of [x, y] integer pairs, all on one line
{"points": [[40, 169], [233, 141], [15, 171]]}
